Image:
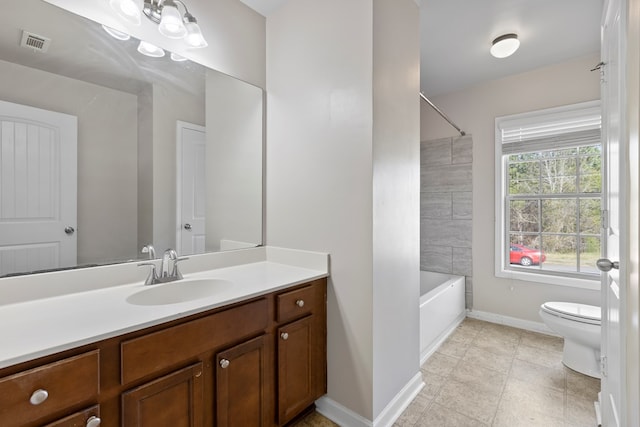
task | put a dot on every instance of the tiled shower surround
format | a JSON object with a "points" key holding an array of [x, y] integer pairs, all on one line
{"points": [[446, 208]]}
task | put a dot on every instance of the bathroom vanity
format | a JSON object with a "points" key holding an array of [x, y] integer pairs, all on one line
{"points": [[252, 354]]}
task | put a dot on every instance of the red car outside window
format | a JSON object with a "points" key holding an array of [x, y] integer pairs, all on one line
{"points": [[519, 254]]}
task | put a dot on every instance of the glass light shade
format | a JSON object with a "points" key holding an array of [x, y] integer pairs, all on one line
{"points": [[194, 35], [127, 9], [171, 24], [151, 50], [116, 34], [505, 45], [178, 58]]}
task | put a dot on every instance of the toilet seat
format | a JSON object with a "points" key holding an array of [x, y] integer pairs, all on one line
{"points": [[582, 313]]}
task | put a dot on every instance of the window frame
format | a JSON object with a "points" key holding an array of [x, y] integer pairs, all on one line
{"points": [[503, 267]]}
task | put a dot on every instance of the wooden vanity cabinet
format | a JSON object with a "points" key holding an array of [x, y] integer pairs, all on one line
{"points": [[301, 349], [259, 362]]}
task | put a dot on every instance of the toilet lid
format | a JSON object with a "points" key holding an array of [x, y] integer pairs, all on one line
{"points": [[569, 310]]}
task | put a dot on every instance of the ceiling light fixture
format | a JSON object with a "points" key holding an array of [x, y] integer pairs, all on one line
{"points": [[172, 23], [505, 45]]}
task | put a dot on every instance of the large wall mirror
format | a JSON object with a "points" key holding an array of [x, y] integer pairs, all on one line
{"points": [[104, 150]]}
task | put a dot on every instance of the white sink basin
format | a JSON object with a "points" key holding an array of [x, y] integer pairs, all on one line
{"points": [[180, 291]]}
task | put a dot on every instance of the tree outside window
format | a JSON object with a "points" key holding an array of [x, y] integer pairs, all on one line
{"points": [[554, 200]]}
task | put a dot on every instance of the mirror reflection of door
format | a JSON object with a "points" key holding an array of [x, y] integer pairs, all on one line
{"points": [[38, 189], [191, 142]]}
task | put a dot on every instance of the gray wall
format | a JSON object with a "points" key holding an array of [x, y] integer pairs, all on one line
{"points": [[446, 207]]}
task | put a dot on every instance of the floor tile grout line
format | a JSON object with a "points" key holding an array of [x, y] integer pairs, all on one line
{"points": [[504, 386]]}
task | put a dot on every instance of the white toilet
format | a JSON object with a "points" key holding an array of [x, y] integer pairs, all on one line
{"points": [[579, 324]]}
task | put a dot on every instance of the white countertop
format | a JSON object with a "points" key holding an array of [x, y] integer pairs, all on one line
{"points": [[43, 326]]}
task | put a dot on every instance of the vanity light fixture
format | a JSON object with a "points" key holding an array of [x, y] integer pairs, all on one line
{"points": [[127, 9], [151, 50], [116, 34], [172, 23], [505, 45], [178, 58]]}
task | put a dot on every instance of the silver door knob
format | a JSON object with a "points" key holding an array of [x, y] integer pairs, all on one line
{"points": [[93, 421], [187, 226], [224, 363], [606, 265], [284, 336], [69, 230]]}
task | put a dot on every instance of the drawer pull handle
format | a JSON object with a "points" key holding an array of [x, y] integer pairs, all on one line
{"points": [[300, 303], [39, 396], [224, 363], [93, 421], [284, 336]]}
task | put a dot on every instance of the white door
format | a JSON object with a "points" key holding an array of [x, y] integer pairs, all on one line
{"points": [[191, 142], [38, 174], [613, 276]]}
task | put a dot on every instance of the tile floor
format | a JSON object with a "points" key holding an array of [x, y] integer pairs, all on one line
{"points": [[493, 375]]}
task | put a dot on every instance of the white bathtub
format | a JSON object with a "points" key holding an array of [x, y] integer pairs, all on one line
{"points": [[442, 308]]}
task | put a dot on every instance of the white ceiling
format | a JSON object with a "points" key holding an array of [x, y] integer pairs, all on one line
{"points": [[456, 36]]}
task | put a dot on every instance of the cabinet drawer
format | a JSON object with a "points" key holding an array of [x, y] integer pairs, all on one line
{"points": [[295, 303], [79, 419], [66, 383], [160, 350]]}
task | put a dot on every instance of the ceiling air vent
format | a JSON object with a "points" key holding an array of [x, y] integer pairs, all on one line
{"points": [[34, 41]]}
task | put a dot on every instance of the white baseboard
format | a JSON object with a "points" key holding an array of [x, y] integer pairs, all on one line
{"points": [[339, 414], [347, 418], [399, 403], [511, 321]]}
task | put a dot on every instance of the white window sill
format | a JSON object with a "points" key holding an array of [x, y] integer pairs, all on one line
{"points": [[549, 279]]}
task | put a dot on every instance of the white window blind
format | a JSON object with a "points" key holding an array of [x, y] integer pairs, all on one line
{"points": [[553, 128]]}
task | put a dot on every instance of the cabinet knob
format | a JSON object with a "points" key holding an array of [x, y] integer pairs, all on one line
{"points": [[224, 363], [93, 421], [39, 396], [284, 336], [300, 303]]}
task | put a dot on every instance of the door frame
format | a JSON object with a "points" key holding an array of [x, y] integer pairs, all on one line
{"points": [[631, 132]]}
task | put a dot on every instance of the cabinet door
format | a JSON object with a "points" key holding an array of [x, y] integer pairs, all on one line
{"points": [[296, 387], [240, 385], [174, 400]]}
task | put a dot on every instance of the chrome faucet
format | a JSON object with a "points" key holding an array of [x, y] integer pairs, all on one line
{"points": [[169, 254], [164, 276], [148, 249]]}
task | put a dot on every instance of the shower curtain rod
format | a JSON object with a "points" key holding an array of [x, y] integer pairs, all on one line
{"points": [[444, 116]]}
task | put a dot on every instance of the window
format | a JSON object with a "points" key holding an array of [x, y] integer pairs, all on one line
{"points": [[549, 195]]}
